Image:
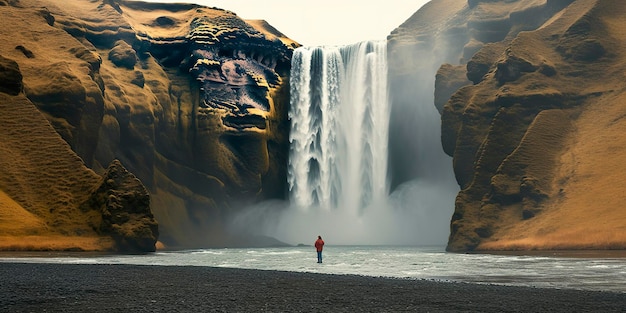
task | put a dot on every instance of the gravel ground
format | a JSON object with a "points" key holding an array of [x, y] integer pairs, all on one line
{"points": [[133, 288]]}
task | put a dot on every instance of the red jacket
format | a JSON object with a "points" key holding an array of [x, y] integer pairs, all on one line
{"points": [[319, 244]]}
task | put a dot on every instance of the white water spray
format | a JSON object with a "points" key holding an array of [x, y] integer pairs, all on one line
{"points": [[339, 127], [337, 171]]}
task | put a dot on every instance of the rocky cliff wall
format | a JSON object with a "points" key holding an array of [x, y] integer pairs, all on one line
{"points": [[416, 49], [529, 93], [46, 191], [192, 100]]}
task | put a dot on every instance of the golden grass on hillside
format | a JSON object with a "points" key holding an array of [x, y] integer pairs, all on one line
{"points": [[270, 32], [575, 158], [15, 220], [43, 181], [52, 242], [578, 239], [589, 211]]}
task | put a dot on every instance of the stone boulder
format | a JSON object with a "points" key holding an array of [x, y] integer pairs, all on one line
{"points": [[124, 204], [123, 55]]}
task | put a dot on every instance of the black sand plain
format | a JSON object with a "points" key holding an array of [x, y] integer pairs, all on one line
{"points": [[33, 287]]}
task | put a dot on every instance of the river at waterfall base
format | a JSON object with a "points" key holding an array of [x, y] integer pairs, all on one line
{"points": [[600, 271]]}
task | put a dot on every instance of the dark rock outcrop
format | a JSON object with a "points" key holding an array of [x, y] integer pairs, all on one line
{"points": [[10, 76], [448, 80], [25, 51], [123, 55], [124, 205]]}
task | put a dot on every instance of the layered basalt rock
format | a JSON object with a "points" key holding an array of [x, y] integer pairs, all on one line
{"points": [[192, 100]]}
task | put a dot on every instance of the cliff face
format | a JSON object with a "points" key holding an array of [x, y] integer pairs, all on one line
{"points": [[192, 100], [431, 37], [531, 100], [535, 171]]}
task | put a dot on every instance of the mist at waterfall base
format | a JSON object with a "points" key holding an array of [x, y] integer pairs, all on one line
{"points": [[338, 173]]}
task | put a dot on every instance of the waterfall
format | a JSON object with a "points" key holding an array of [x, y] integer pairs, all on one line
{"points": [[340, 136], [339, 127]]}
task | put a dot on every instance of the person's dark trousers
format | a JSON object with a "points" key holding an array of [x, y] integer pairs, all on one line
{"points": [[319, 256]]}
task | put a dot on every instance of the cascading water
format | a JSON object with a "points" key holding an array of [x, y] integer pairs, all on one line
{"points": [[339, 127], [339, 148]]}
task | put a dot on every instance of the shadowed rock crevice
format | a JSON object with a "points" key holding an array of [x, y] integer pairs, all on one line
{"points": [[10, 76]]}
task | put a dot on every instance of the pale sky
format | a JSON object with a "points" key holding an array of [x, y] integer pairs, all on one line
{"points": [[323, 22]]}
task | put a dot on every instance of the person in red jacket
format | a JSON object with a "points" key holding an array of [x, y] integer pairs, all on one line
{"points": [[319, 245]]}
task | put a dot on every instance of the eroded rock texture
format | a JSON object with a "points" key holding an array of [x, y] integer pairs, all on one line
{"points": [[542, 76], [124, 205], [221, 138], [191, 100]]}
